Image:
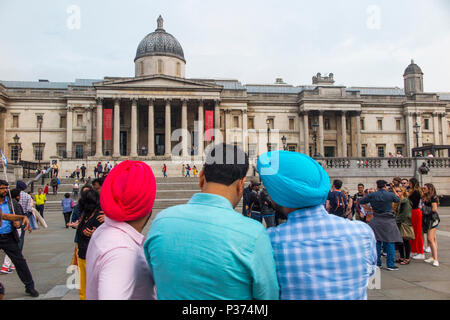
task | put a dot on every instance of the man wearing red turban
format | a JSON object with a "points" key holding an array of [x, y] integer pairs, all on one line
{"points": [[115, 264]]}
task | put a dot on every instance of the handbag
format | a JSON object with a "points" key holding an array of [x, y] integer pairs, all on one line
{"points": [[426, 210], [406, 231]]}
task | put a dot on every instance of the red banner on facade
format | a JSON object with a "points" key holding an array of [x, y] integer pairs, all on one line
{"points": [[209, 124], [107, 124]]}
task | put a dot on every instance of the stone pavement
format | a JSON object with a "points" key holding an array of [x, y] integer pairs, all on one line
{"points": [[49, 251]]}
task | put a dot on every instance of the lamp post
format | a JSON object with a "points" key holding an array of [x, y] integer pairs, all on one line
{"points": [[417, 131], [268, 135], [16, 139], [39, 119], [283, 139], [315, 127]]}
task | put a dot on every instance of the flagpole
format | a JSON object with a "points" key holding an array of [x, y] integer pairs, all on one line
{"points": [[6, 178]]}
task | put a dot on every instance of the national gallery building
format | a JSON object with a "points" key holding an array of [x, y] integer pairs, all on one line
{"points": [[114, 118]]}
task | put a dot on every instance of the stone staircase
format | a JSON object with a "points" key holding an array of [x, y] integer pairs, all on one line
{"points": [[170, 191]]}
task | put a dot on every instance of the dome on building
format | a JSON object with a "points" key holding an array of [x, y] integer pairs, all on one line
{"points": [[159, 43], [413, 69]]}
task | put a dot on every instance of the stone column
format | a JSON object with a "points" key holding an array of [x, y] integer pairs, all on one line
{"points": [[344, 135], [321, 136], [228, 126], [300, 133], [99, 136], [134, 139], [409, 133], [419, 121], [444, 124], [151, 128], [358, 134], [168, 147], [436, 127], [69, 123], [201, 128], [244, 131], [116, 129], [89, 130], [217, 119], [306, 132], [184, 128]]}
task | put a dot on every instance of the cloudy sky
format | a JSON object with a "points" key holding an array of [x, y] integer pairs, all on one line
{"points": [[364, 43]]}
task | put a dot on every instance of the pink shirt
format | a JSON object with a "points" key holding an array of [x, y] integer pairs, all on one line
{"points": [[116, 268]]}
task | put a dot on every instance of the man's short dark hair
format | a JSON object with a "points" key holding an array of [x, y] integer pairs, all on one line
{"points": [[15, 193], [381, 184], [360, 185], [3, 183], [337, 183], [99, 181], [225, 164], [67, 195]]}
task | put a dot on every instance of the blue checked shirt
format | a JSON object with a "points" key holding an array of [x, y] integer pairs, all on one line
{"points": [[320, 256]]}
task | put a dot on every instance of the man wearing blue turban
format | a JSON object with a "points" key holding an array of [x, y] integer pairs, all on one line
{"points": [[318, 256]]}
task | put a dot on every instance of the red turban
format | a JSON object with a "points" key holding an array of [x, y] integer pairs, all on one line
{"points": [[129, 191]]}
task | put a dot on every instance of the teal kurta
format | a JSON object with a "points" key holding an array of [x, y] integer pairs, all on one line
{"points": [[205, 250]]}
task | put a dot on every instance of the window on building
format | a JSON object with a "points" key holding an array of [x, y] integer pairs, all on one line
{"points": [[160, 66], [79, 120], [62, 122], [236, 121], [15, 123], [79, 151], [310, 150], [362, 124], [399, 150], [38, 151], [61, 150], [426, 124], [326, 123], [364, 151], [292, 147], [329, 151], [271, 123], [380, 124], [381, 149], [178, 69], [398, 125], [252, 150], [14, 153], [347, 123], [251, 123], [291, 124], [121, 119]]}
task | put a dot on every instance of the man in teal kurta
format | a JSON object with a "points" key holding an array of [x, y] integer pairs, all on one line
{"points": [[204, 249]]}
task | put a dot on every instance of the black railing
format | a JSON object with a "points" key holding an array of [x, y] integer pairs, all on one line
{"points": [[32, 168]]}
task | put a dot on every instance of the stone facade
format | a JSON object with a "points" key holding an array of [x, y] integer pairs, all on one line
{"points": [[322, 118]]}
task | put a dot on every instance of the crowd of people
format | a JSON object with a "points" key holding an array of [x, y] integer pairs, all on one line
{"points": [[298, 236]]}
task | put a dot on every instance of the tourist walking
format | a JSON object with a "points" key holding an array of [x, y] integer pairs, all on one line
{"points": [[55, 169], [319, 256], [415, 195], [337, 201], [194, 171], [75, 188], [403, 218], [90, 210], [218, 254], [360, 194], [78, 171], [83, 172], [99, 170], [267, 211], [164, 170], [348, 207], [246, 199], [46, 189], [67, 207], [54, 184], [188, 170], [40, 200], [116, 268], [9, 240], [384, 224], [431, 220], [254, 203]]}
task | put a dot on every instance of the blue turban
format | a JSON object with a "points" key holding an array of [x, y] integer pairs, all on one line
{"points": [[22, 186], [293, 179]]}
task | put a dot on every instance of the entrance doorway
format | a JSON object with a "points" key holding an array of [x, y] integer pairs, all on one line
{"points": [[329, 152], [123, 143], [159, 144]]}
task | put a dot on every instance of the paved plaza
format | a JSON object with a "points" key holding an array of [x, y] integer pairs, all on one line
{"points": [[49, 251]]}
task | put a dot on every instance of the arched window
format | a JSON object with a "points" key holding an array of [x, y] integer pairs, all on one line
{"points": [[160, 66], [178, 69]]}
